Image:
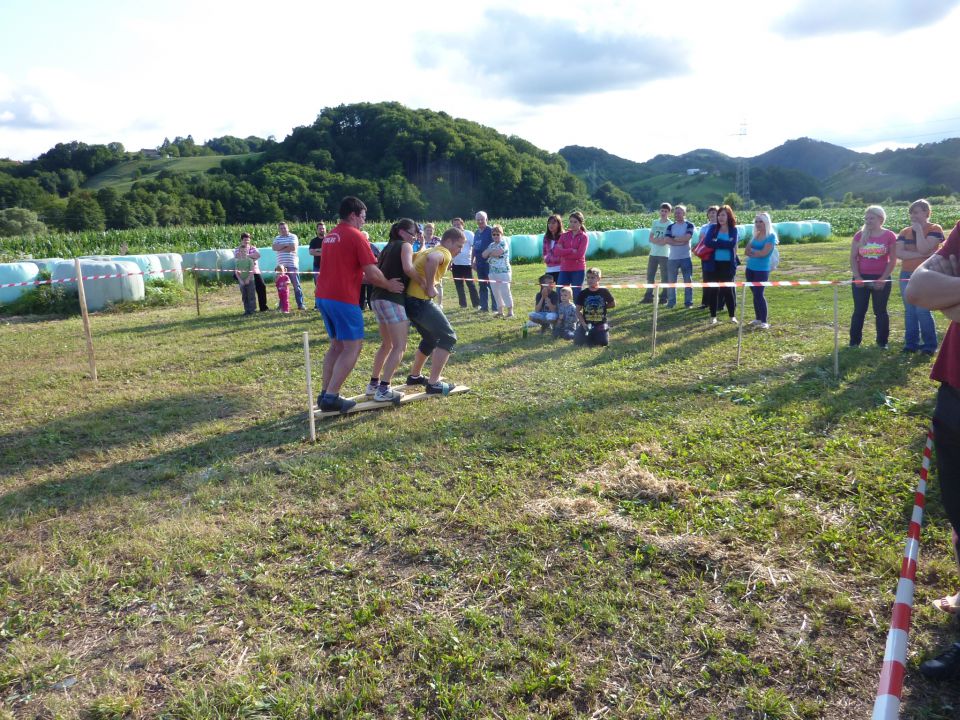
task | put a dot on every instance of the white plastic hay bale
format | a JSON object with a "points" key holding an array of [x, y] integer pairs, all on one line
{"points": [[806, 228], [788, 230], [16, 273], [820, 229], [594, 243], [187, 261], [172, 264], [215, 264], [149, 265], [46, 264], [524, 246], [102, 292], [745, 232], [617, 241], [641, 238]]}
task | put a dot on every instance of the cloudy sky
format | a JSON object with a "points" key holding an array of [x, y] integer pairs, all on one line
{"points": [[636, 79]]}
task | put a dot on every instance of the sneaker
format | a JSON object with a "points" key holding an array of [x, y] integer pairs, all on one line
{"points": [[441, 388], [689, 306], [532, 324], [713, 321], [371, 389], [753, 323], [763, 326], [734, 321], [928, 353], [418, 380], [338, 404], [944, 666], [909, 350], [385, 394]]}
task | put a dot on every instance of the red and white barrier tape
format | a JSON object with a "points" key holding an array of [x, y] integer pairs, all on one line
{"points": [[615, 286], [890, 688]]}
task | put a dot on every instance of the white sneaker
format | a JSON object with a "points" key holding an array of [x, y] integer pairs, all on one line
{"points": [[371, 389], [532, 324], [754, 323], [763, 326], [387, 395], [713, 321], [734, 321]]}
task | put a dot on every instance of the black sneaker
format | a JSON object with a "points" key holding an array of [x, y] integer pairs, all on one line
{"points": [[339, 404], [944, 666], [418, 380], [441, 388]]}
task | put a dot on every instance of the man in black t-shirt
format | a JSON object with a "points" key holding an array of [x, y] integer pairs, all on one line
{"points": [[315, 246], [592, 306]]}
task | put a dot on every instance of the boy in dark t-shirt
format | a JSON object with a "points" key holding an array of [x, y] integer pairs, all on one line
{"points": [[592, 306]]}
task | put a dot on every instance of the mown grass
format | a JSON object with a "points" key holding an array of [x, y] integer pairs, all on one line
{"points": [[588, 533]]}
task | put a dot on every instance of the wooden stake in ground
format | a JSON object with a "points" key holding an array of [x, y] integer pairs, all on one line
{"points": [[656, 312], [86, 320], [836, 332], [743, 304], [196, 289], [306, 359]]}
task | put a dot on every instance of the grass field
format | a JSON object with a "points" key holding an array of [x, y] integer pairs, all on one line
{"points": [[122, 176], [588, 533]]}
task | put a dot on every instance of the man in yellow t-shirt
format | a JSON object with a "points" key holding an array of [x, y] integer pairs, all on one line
{"points": [[437, 336], [914, 245]]}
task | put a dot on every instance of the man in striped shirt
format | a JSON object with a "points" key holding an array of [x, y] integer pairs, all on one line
{"points": [[285, 245]]}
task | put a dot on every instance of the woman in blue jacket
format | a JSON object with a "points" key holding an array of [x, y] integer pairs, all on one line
{"points": [[722, 266]]}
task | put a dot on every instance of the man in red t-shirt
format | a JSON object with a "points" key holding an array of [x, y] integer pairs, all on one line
{"points": [[935, 285], [345, 259]]}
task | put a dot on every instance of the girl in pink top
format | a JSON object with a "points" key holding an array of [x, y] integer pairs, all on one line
{"points": [[571, 249], [550, 239], [283, 288], [873, 256]]}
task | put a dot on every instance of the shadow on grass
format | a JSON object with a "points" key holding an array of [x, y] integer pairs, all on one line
{"points": [[67, 438]]}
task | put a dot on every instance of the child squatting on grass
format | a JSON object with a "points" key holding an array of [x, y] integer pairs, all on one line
{"points": [[566, 325], [592, 306], [544, 312]]}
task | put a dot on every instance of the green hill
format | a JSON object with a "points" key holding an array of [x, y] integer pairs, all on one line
{"points": [[122, 176]]}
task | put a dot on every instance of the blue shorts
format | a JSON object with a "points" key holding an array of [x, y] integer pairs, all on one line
{"points": [[344, 321]]}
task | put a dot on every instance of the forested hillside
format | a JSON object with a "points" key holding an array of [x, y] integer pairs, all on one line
{"points": [[400, 161]]}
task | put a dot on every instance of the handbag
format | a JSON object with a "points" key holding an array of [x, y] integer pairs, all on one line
{"points": [[703, 251]]}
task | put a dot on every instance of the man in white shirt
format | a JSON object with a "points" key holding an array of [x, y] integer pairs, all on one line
{"points": [[462, 268], [285, 245]]}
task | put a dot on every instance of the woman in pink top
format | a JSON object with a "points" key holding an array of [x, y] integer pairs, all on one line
{"points": [[873, 256], [571, 249]]}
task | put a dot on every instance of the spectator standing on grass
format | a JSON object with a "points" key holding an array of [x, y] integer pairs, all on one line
{"points": [[760, 253], [722, 238], [711, 220], [251, 251], [659, 253], [316, 249], [430, 241], [571, 248], [592, 306], [481, 240], [678, 236], [914, 245], [873, 256], [462, 268], [346, 260], [244, 275], [935, 285], [282, 281], [498, 261], [550, 239], [395, 262], [285, 244]]}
